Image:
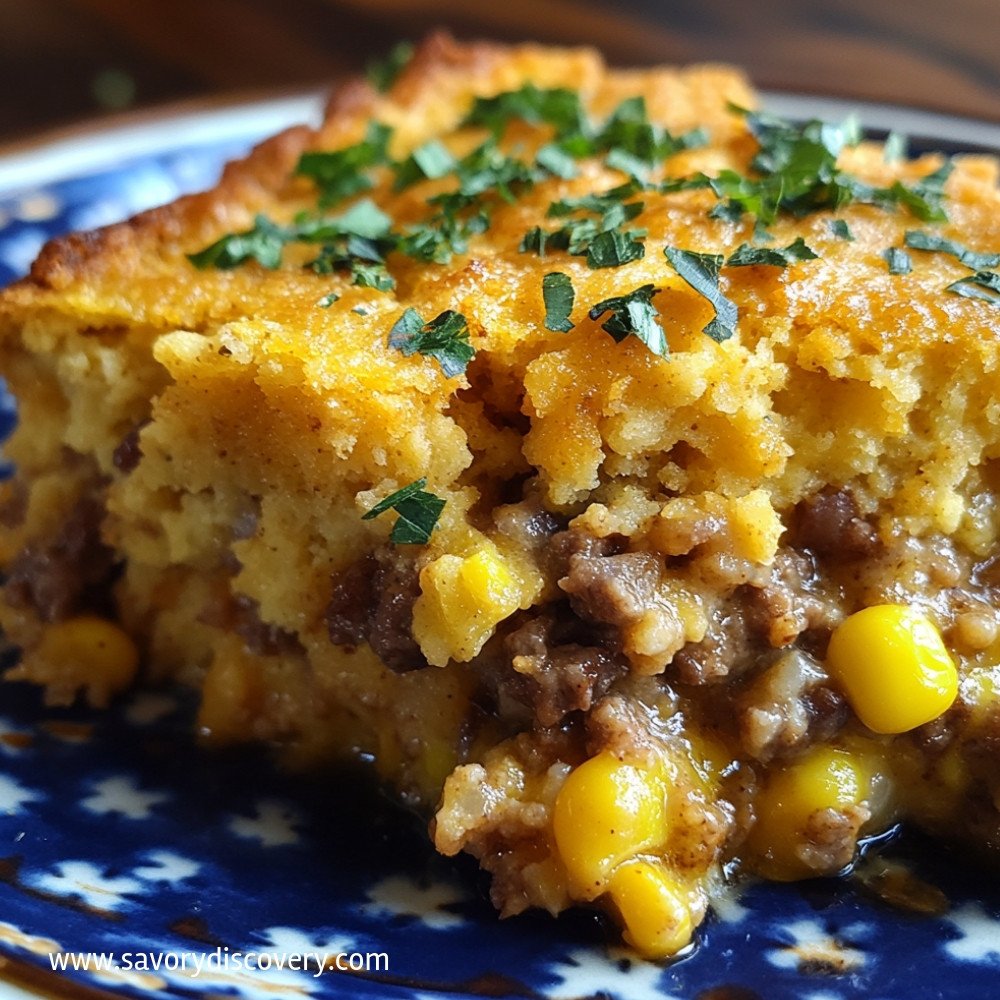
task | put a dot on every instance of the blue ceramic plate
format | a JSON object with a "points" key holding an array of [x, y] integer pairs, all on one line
{"points": [[118, 836]]}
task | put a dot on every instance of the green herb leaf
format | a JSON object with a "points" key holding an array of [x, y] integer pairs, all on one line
{"points": [[558, 296], [620, 159], [917, 239], [328, 300], [442, 237], [367, 274], [634, 144], [431, 160], [841, 230], [558, 107], [701, 272], [983, 285], [418, 512], [263, 243], [751, 256], [341, 173], [741, 194], [601, 202], [898, 261], [446, 338], [614, 248], [382, 73], [633, 315], [556, 161], [895, 148]]}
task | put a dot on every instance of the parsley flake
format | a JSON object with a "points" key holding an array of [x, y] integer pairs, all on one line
{"points": [[841, 230], [895, 148], [328, 300], [341, 173], [431, 160], [983, 285], [633, 315], [558, 296], [701, 272], [747, 255], [264, 243], [558, 107], [382, 73], [898, 261], [446, 338], [634, 144], [556, 161], [418, 512], [614, 248], [917, 239]]}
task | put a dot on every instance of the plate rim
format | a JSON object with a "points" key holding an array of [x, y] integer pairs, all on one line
{"points": [[90, 147]]}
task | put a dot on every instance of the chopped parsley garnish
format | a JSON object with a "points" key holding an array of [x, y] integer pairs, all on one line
{"points": [[752, 256], [983, 285], [924, 199], [357, 310], [898, 261], [797, 172], [634, 144], [357, 241], [328, 300], [841, 230], [601, 240], [614, 247], [917, 239], [633, 315], [556, 161], [371, 274], [431, 160], [382, 73], [488, 169], [418, 512], [446, 337], [598, 203], [701, 272], [263, 243], [441, 237], [558, 296], [341, 173], [895, 147], [558, 107]]}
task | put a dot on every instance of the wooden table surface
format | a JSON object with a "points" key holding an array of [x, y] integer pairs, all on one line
{"points": [[66, 60]]}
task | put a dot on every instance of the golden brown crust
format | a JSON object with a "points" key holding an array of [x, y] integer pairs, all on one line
{"points": [[244, 182]]}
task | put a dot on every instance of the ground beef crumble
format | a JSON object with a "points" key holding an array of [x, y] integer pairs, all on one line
{"points": [[372, 601], [68, 573]]}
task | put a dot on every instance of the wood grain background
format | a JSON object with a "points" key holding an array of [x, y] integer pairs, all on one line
{"points": [[63, 60]]}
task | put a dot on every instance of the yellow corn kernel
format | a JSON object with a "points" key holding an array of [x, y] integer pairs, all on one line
{"points": [[86, 652], [653, 907], [824, 778], [894, 669], [461, 602], [607, 812]]}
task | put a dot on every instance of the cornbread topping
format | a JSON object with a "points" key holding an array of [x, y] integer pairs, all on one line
{"points": [[612, 463]]}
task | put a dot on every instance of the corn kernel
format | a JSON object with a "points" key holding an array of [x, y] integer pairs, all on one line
{"points": [[607, 812], [86, 652], [462, 601], [894, 668], [824, 778], [653, 908]]}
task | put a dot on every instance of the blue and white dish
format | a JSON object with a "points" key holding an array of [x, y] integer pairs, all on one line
{"points": [[119, 835]]}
